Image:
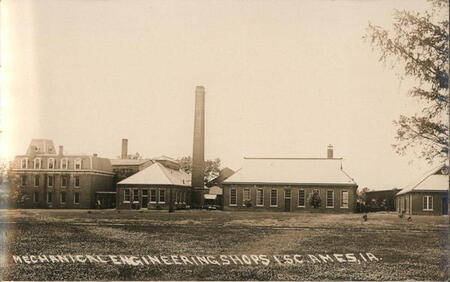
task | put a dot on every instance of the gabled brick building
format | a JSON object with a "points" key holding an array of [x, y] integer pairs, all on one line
{"points": [[48, 179], [156, 187], [291, 184], [428, 196]]}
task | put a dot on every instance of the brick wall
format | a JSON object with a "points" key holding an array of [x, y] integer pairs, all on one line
{"points": [[293, 203], [412, 203], [181, 196]]}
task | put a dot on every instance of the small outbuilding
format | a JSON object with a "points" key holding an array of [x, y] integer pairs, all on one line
{"points": [[428, 196]]}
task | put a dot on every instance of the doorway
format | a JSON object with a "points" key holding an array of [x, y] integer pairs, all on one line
{"points": [[144, 198], [287, 200], [445, 205]]}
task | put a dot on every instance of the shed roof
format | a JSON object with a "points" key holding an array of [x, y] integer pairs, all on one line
{"points": [[157, 174], [291, 171], [436, 180]]}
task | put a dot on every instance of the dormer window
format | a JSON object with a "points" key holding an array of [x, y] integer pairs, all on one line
{"points": [[24, 163], [78, 164], [64, 163], [51, 163], [37, 163]]}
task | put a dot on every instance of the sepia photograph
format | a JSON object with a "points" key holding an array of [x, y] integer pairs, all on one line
{"points": [[224, 140]]}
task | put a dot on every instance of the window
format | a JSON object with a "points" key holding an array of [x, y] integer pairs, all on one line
{"points": [[64, 181], [301, 198], [76, 198], [330, 199], [36, 181], [287, 193], [50, 180], [246, 196], [23, 180], [233, 197], [49, 197], [64, 163], [177, 197], [37, 163], [184, 198], [344, 199], [78, 164], [153, 195], [135, 195], [24, 163], [162, 196], [127, 195], [51, 163], [36, 197], [77, 182], [428, 203], [259, 197], [273, 198], [62, 198]]}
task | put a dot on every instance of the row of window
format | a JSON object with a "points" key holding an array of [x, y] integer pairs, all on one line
{"points": [[62, 197], [427, 203], [152, 195], [38, 163], [301, 201], [50, 181]]}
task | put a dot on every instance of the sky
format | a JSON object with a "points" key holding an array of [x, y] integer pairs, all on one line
{"points": [[282, 79]]}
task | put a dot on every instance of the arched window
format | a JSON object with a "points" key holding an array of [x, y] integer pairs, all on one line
{"points": [[51, 163], [78, 164], [24, 163], [37, 163], [64, 163]]}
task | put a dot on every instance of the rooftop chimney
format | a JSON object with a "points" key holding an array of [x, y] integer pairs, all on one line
{"points": [[198, 154], [330, 152], [61, 150], [124, 149]]}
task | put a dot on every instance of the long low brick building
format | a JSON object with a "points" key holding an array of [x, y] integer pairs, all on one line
{"points": [[291, 184]]}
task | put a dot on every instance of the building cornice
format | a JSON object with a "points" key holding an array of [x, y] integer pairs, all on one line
{"points": [[63, 171]]}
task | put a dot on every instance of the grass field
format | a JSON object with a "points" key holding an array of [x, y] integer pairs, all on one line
{"points": [[416, 249]]}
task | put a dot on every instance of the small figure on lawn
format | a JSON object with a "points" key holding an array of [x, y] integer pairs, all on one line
{"points": [[365, 218], [409, 219]]}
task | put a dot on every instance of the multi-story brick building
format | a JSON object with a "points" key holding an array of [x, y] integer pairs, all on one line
{"points": [[48, 179], [291, 184]]}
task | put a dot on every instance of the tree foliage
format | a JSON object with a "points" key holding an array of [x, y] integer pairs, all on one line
{"points": [[419, 42], [211, 168]]}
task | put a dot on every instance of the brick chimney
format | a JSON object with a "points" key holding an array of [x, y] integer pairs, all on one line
{"points": [[198, 154], [124, 154], [61, 150], [330, 152]]}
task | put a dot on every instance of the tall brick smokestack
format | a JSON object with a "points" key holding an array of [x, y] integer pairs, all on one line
{"points": [[198, 154], [124, 154]]}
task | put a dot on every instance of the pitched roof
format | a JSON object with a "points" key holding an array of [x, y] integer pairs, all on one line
{"points": [[435, 180], [157, 174], [128, 162], [291, 171]]}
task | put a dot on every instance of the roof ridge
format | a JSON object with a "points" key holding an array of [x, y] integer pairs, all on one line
{"points": [[288, 158]]}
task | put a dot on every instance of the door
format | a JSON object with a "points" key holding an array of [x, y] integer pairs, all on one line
{"points": [[144, 199], [445, 205], [287, 200]]}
